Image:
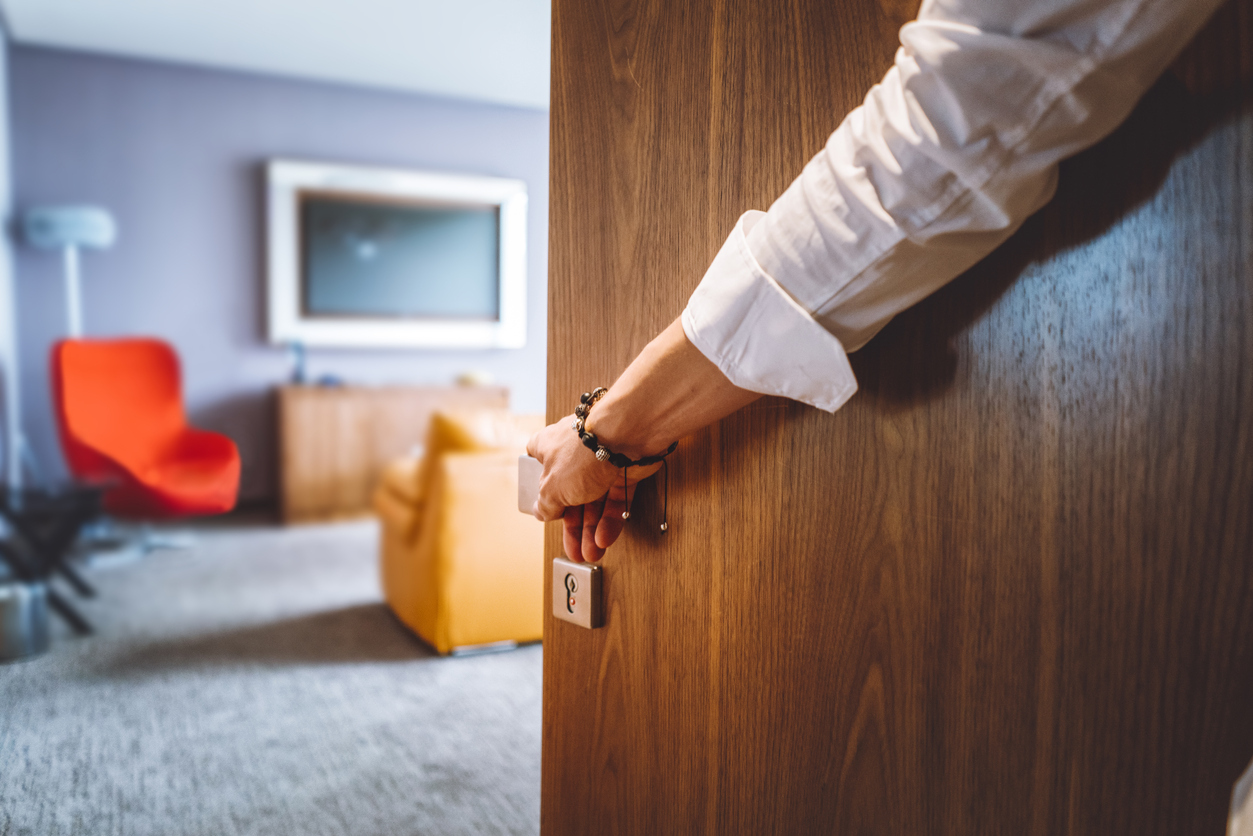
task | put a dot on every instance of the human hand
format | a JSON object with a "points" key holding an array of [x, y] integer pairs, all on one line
{"points": [[589, 495]]}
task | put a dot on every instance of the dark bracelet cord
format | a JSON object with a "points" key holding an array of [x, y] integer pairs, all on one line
{"points": [[604, 454], [620, 459]]}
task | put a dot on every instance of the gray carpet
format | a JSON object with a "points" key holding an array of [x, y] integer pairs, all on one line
{"points": [[255, 685]]}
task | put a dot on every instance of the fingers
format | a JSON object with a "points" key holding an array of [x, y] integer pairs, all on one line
{"points": [[611, 521], [532, 447], [578, 532], [589, 528], [591, 516], [572, 533]]}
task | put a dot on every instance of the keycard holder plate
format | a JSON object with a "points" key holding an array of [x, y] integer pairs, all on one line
{"points": [[577, 593]]}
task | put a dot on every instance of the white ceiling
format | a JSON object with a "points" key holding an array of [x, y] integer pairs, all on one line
{"points": [[489, 50]]}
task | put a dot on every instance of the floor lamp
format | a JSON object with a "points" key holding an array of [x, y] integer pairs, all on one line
{"points": [[69, 229]]}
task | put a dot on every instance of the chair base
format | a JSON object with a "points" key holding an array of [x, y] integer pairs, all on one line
{"points": [[110, 542], [480, 649]]}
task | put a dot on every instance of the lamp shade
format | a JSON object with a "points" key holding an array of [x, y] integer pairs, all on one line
{"points": [[57, 227]]}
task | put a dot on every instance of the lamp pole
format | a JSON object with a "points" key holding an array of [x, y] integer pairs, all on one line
{"points": [[67, 229], [73, 294]]}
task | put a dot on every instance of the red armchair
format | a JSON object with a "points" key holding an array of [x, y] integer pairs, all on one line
{"points": [[120, 414]]}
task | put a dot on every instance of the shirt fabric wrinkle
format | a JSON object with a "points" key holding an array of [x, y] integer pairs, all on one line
{"points": [[955, 147]]}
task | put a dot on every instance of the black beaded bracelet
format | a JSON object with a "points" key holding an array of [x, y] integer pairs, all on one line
{"points": [[604, 454]]}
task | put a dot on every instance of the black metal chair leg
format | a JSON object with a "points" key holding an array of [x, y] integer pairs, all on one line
{"points": [[42, 527], [72, 617], [17, 563], [76, 580]]}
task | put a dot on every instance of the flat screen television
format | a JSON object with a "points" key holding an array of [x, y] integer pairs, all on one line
{"points": [[375, 257]]}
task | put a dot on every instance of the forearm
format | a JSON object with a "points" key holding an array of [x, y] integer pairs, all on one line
{"points": [[669, 391]]}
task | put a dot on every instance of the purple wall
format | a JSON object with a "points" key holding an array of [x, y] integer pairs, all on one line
{"points": [[176, 153]]}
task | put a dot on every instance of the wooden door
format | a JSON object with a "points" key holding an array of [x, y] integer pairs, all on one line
{"points": [[1009, 588]]}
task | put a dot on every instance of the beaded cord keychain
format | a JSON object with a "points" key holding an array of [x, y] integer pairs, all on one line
{"points": [[603, 453]]}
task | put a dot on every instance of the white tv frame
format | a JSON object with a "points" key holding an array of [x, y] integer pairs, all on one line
{"points": [[285, 179]]}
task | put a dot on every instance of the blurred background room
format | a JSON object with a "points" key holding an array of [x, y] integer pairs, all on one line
{"points": [[272, 338]]}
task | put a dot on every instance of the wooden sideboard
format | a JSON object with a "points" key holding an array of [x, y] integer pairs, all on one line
{"points": [[335, 441]]}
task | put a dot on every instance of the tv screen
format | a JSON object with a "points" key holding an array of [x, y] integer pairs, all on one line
{"points": [[365, 257]]}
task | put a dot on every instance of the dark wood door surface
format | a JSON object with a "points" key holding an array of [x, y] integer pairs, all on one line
{"points": [[1009, 588]]}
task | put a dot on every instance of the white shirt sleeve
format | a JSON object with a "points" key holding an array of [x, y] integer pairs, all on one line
{"points": [[946, 157]]}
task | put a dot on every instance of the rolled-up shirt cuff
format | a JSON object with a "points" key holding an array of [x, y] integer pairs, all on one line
{"points": [[757, 334]]}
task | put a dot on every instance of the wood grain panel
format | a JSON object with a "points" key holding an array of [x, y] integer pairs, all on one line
{"points": [[335, 440], [1009, 587]]}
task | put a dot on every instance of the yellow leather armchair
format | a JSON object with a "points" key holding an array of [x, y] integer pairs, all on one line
{"points": [[460, 565]]}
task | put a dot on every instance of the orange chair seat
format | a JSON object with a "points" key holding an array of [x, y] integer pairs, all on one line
{"points": [[120, 413]]}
